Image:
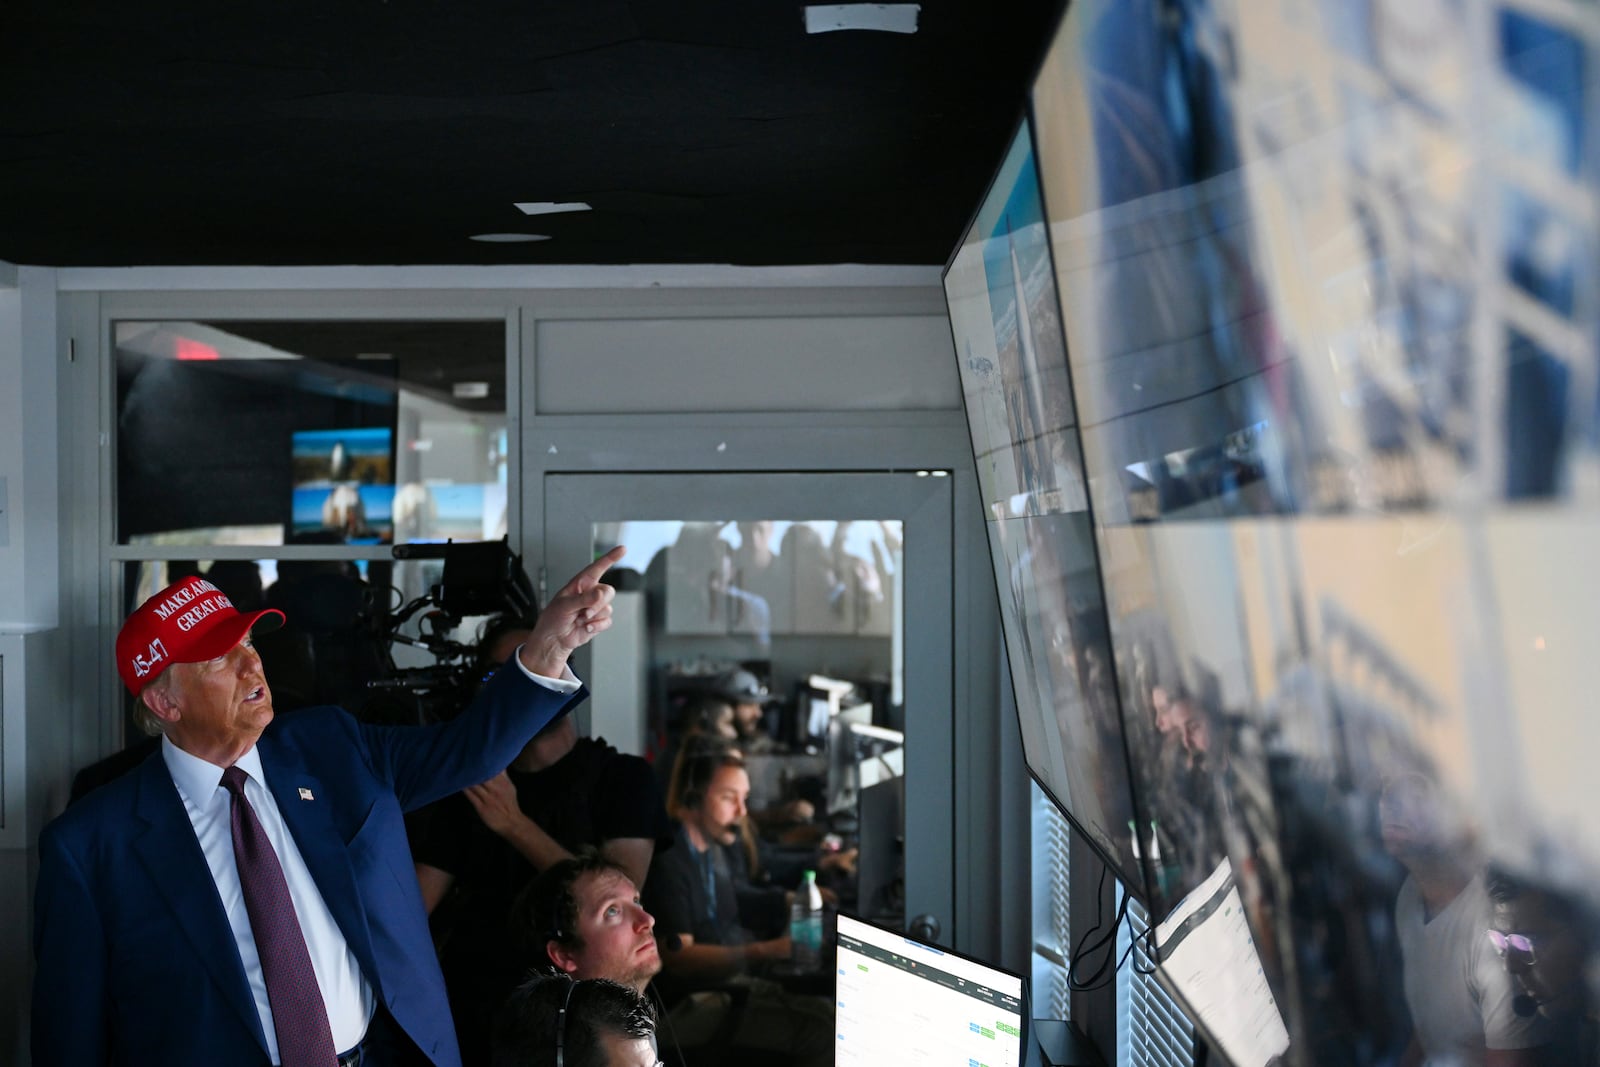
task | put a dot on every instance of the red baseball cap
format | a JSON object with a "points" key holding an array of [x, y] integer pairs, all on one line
{"points": [[187, 622]]}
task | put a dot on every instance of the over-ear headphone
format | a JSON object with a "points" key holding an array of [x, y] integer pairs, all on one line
{"points": [[561, 1024], [563, 900], [702, 757], [699, 769], [538, 916], [692, 796]]}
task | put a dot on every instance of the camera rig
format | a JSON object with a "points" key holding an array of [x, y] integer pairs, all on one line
{"points": [[479, 578]]}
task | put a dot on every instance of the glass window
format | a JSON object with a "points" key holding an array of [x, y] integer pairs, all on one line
{"points": [[785, 637], [332, 432], [770, 578]]}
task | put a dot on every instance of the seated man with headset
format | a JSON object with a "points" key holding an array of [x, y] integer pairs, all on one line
{"points": [[708, 958]]}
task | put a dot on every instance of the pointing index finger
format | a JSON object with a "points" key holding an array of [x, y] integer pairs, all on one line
{"points": [[589, 577]]}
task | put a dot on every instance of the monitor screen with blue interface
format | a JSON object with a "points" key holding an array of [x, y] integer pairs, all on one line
{"points": [[904, 1001]]}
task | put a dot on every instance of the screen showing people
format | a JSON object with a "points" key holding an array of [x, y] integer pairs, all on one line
{"points": [[900, 1000], [1329, 313], [1006, 321], [344, 483], [770, 579]]}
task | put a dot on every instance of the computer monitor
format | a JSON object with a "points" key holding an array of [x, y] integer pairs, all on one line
{"points": [[899, 1000], [822, 700], [841, 769], [880, 754], [1209, 958], [344, 482], [859, 755], [880, 858]]}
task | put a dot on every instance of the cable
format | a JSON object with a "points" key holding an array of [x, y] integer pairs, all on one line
{"points": [[664, 1021], [1085, 946], [1100, 978], [1099, 915], [1134, 936]]}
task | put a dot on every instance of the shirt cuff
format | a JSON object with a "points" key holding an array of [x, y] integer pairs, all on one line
{"points": [[567, 683]]}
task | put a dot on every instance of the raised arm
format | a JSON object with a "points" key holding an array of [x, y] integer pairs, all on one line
{"points": [[423, 764], [579, 610]]}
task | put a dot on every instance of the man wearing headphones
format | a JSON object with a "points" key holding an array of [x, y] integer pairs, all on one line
{"points": [[691, 892], [708, 957], [562, 793], [583, 917]]}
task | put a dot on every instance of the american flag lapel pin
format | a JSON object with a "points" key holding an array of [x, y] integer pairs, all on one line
{"points": [[305, 794]]}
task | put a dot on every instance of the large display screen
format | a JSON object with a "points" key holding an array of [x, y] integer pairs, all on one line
{"points": [[1007, 330], [1327, 275]]}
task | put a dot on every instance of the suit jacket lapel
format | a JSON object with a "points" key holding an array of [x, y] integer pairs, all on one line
{"points": [[171, 854], [308, 813]]}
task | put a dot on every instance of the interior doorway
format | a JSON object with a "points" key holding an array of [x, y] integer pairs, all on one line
{"points": [[824, 598]]}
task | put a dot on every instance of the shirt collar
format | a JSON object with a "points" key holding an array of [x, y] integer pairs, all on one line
{"points": [[197, 779], [686, 840]]}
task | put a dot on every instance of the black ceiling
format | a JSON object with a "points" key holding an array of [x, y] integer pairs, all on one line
{"points": [[388, 131]]}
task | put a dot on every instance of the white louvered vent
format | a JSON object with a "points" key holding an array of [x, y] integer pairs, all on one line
{"points": [[1152, 1030]]}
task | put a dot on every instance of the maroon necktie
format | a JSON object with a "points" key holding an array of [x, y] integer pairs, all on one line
{"points": [[298, 1014]]}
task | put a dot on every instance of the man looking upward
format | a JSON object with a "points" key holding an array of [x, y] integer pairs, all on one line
{"points": [[583, 916], [561, 793], [245, 895]]}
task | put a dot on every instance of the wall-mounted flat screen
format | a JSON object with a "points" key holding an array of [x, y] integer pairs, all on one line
{"points": [[1007, 329], [344, 483], [1328, 280]]}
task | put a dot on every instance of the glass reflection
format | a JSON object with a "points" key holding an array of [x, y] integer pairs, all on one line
{"points": [[784, 638], [273, 433], [1545, 940], [1327, 278], [766, 578], [1007, 325]]}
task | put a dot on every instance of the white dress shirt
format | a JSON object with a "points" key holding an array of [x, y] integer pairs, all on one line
{"points": [[345, 991]]}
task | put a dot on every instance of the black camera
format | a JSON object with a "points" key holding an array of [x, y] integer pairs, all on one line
{"points": [[478, 578]]}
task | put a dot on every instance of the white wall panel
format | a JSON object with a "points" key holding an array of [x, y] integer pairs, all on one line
{"points": [[29, 527], [673, 365]]}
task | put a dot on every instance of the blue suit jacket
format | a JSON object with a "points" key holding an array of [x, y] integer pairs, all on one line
{"points": [[136, 961]]}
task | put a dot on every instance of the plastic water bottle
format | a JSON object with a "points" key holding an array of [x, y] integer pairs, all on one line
{"points": [[805, 926]]}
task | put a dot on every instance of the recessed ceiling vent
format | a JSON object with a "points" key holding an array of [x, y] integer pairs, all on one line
{"points": [[882, 18]]}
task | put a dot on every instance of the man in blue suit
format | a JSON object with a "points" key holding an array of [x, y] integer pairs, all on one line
{"points": [[246, 896]]}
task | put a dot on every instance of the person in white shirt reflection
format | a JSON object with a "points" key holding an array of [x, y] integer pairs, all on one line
{"points": [[1461, 1000]]}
